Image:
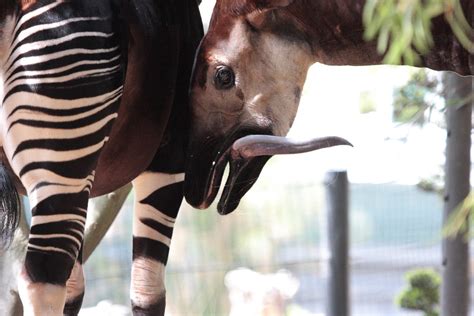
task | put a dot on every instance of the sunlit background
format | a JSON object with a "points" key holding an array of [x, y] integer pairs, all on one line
{"points": [[395, 222]]}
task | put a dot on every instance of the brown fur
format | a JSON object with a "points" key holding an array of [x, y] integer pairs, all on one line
{"points": [[241, 7], [334, 30], [7, 7], [143, 113], [270, 45], [158, 70]]}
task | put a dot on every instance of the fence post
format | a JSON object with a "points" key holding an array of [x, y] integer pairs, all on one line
{"points": [[337, 201], [455, 281]]}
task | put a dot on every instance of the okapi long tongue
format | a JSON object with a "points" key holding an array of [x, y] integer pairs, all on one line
{"points": [[266, 145], [250, 153]]}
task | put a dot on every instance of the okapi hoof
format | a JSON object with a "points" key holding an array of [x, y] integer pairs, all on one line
{"points": [[156, 309], [73, 306]]}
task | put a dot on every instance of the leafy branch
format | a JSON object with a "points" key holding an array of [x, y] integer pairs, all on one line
{"points": [[403, 27]]}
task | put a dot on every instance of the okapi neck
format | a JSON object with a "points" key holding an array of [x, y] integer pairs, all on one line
{"points": [[335, 32]]}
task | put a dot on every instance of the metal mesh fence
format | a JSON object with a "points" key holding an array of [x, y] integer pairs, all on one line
{"points": [[281, 222], [394, 228]]}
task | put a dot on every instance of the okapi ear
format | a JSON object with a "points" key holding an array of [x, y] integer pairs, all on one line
{"points": [[243, 7]]}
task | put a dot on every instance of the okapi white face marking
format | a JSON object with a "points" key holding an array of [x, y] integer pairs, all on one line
{"points": [[251, 78]]}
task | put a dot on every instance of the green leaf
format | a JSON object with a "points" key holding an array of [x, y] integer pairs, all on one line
{"points": [[458, 221], [382, 43], [388, 20], [462, 37], [368, 12], [462, 21]]}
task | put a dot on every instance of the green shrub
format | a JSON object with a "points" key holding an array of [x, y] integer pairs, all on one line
{"points": [[422, 292]]}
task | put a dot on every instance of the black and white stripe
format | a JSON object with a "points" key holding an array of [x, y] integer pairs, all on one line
{"points": [[62, 84], [62, 68], [158, 197]]}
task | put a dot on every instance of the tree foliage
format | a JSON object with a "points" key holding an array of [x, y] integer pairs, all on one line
{"points": [[413, 102], [402, 28], [422, 292]]}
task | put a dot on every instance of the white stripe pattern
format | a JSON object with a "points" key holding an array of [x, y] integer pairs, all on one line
{"points": [[144, 185], [62, 84]]}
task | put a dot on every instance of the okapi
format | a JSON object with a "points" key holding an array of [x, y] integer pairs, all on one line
{"points": [[95, 95], [248, 77]]}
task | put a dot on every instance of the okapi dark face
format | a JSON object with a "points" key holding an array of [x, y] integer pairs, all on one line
{"points": [[247, 80]]}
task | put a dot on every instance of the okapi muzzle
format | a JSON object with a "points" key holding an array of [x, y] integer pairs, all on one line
{"points": [[246, 156]]}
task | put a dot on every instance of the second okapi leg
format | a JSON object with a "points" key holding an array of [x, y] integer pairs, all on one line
{"points": [[54, 244], [158, 197], [100, 215]]}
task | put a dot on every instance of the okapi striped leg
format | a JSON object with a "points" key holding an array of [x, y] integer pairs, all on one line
{"points": [[57, 229], [158, 197], [62, 84]]}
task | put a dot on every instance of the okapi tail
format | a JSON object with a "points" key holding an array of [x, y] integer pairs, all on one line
{"points": [[9, 208]]}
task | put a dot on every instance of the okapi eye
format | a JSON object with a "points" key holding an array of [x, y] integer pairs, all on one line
{"points": [[224, 78]]}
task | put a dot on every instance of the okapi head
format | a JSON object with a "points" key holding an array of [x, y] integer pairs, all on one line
{"points": [[247, 82]]}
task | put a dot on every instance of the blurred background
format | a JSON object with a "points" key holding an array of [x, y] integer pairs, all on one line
{"points": [[395, 207], [394, 116]]}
